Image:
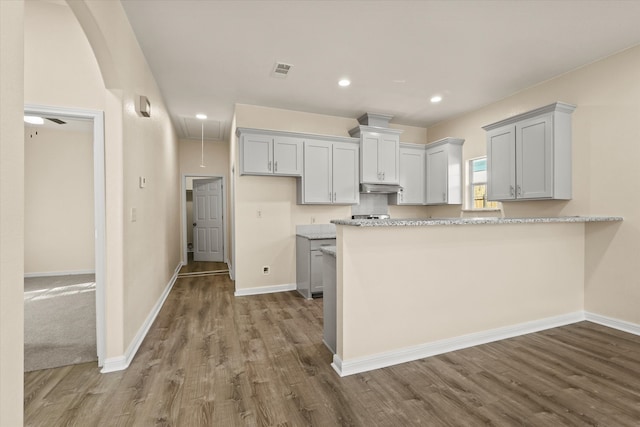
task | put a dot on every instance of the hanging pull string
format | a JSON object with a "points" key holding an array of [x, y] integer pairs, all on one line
{"points": [[202, 147]]}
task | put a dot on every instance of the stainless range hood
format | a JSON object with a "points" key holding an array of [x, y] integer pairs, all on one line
{"points": [[380, 188]]}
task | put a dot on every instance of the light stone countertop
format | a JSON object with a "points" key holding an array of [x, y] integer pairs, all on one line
{"points": [[417, 222], [329, 250], [318, 235]]}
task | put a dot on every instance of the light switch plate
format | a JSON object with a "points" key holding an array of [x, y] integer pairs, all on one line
{"points": [[143, 182]]}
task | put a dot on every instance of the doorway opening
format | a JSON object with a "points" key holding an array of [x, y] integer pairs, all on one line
{"points": [[60, 278], [203, 225]]}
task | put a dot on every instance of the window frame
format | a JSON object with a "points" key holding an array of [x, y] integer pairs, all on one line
{"points": [[469, 183]]}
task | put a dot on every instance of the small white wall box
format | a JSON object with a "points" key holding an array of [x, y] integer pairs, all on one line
{"points": [[145, 106]]}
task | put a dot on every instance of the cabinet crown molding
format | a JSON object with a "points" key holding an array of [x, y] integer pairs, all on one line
{"points": [[561, 107], [375, 119], [412, 145], [355, 132], [305, 136], [447, 140]]}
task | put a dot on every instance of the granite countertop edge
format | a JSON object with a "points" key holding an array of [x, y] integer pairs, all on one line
{"points": [[471, 221], [329, 250], [317, 236]]}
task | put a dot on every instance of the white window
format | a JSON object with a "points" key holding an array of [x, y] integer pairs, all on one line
{"points": [[477, 185]]}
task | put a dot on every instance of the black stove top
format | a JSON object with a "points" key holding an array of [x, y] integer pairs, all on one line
{"points": [[370, 216]]}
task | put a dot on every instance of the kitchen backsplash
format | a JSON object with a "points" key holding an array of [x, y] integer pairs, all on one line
{"points": [[315, 228], [371, 204]]}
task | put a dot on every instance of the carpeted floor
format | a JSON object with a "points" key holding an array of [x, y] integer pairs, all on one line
{"points": [[59, 321]]}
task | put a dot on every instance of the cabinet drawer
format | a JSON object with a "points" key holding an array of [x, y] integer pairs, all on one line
{"points": [[317, 244]]}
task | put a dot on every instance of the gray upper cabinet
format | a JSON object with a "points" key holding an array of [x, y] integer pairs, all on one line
{"points": [[444, 172], [264, 152], [346, 170], [412, 176], [501, 160], [287, 156], [379, 154], [529, 155], [331, 173]]}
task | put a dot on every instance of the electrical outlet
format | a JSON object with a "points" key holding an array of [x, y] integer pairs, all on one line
{"points": [[259, 213], [134, 215], [313, 220], [266, 270]]}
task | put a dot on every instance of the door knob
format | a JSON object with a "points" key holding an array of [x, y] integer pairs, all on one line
{"points": [[195, 224]]}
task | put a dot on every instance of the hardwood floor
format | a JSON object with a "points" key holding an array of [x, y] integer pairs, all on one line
{"points": [[212, 359], [197, 267]]}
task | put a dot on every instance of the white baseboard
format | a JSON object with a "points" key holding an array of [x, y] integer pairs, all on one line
{"points": [[265, 289], [621, 325], [59, 273], [408, 354], [230, 268], [120, 363]]}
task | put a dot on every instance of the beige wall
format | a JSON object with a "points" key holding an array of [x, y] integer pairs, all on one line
{"points": [[216, 161], [59, 230], [270, 240], [400, 287], [11, 212], [103, 68], [60, 67], [606, 147]]}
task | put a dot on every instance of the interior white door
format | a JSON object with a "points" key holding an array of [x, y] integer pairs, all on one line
{"points": [[208, 243]]}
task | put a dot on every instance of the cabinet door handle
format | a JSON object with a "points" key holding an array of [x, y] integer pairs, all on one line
{"points": [[269, 165], [519, 190], [334, 197], [275, 169], [444, 196], [330, 199], [511, 191]]}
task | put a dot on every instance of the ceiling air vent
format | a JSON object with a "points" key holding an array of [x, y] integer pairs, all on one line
{"points": [[280, 70], [58, 121]]}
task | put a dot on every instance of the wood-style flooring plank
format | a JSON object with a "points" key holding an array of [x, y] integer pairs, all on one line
{"points": [[212, 359]]}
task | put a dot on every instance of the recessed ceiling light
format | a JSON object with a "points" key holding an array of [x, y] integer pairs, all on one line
{"points": [[435, 99], [34, 120], [344, 82], [201, 116]]}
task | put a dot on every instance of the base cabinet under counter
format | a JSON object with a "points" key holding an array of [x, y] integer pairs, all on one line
{"points": [[309, 265]]}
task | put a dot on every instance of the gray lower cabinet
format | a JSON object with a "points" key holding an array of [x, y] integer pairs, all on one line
{"points": [[309, 265]]}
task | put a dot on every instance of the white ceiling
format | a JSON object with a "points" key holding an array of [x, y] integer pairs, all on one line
{"points": [[208, 55]]}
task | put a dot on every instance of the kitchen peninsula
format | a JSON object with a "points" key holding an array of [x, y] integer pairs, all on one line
{"points": [[408, 289]]}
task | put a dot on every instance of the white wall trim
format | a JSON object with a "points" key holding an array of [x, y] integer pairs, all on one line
{"points": [[120, 363], [99, 203], [621, 325], [183, 213], [59, 273], [264, 289], [408, 354], [230, 268]]}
